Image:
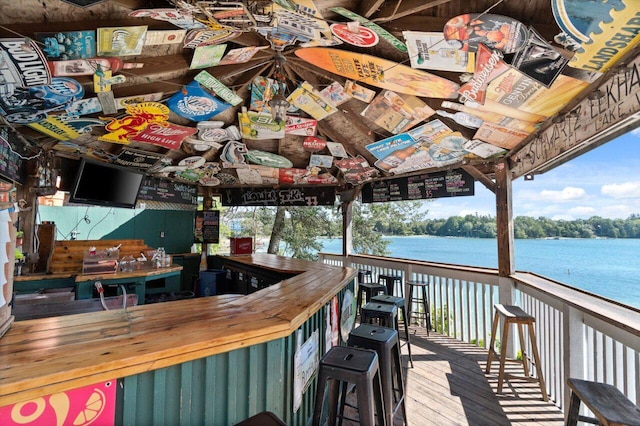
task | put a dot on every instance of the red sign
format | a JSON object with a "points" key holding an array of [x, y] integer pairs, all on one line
{"points": [[314, 144], [94, 404], [361, 36], [489, 65], [166, 135], [241, 245]]}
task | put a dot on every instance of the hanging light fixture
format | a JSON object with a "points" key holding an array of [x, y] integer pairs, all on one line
{"points": [[278, 102]]}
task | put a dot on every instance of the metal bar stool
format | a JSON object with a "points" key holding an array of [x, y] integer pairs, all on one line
{"points": [[398, 302], [345, 365], [390, 282], [386, 343], [368, 288], [420, 299], [364, 276], [515, 315], [381, 314]]}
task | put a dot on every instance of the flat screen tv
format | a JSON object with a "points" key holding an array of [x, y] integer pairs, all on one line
{"points": [[108, 185]]}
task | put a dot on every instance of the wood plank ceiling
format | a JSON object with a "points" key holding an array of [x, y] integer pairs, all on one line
{"points": [[166, 69]]}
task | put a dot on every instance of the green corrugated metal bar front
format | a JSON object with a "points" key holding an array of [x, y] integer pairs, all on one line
{"points": [[222, 389]]}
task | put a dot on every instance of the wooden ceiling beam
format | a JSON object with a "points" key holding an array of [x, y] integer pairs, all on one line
{"points": [[432, 23], [479, 176], [369, 7], [399, 9]]}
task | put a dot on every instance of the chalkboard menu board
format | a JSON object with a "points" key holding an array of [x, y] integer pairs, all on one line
{"points": [[299, 196], [154, 189], [207, 229], [11, 165], [453, 183]]}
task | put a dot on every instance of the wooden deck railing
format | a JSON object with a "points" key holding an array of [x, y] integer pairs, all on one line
{"points": [[578, 334]]}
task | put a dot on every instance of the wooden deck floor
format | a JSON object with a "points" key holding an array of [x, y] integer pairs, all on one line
{"points": [[448, 386]]}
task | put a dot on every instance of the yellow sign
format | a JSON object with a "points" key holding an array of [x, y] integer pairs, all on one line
{"points": [[140, 116], [380, 72], [613, 42], [56, 128]]}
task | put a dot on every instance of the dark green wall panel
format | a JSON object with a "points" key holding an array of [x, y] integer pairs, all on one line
{"points": [[102, 223]]}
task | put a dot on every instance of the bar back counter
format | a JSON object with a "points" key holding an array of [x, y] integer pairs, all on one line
{"points": [[205, 361]]}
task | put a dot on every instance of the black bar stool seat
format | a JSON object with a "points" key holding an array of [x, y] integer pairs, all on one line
{"points": [[385, 342], [421, 298], [366, 291], [345, 365], [398, 302]]}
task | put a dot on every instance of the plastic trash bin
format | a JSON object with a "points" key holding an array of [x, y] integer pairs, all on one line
{"points": [[212, 282]]}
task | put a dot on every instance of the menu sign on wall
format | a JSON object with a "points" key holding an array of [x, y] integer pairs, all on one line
{"points": [[454, 183], [207, 229], [298, 196], [154, 189]]}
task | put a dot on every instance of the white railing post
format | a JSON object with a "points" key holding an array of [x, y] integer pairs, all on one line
{"points": [[573, 341], [506, 296]]}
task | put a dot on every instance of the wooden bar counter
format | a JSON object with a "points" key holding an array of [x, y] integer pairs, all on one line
{"points": [[49, 355]]}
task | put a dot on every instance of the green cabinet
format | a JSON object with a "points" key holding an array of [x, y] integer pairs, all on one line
{"points": [[38, 285]]}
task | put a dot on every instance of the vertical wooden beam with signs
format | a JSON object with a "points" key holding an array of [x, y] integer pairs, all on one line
{"points": [[504, 220], [347, 228]]}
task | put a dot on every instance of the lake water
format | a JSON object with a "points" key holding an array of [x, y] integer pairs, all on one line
{"points": [[608, 267]]}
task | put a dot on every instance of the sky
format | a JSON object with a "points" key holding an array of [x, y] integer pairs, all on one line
{"points": [[603, 182]]}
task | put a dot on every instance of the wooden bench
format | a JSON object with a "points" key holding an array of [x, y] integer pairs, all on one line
{"points": [[606, 402], [67, 256]]}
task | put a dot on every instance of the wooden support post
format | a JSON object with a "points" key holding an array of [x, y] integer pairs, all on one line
{"points": [[347, 229], [504, 222], [207, 204], [573, 349]]}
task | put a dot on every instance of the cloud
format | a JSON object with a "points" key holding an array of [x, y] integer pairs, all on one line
{"points": [[567, 194], [582, 212], [618, 211], [621, 190]]}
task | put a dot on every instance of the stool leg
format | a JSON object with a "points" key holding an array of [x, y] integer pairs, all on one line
{"points": [[377, 394], [503, 355], [342, 401], [525, 363], [406, 331], [365, 392], [427, 310], [359, 301], [400, 383], [494, 330], [536, 357], [410, 302], [333, 401], [319, 402], [574, 410]]}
